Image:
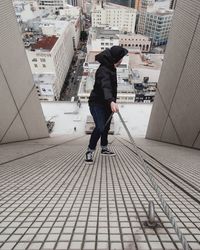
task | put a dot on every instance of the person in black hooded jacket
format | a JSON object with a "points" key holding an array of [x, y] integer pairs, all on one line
{"points": [[102, 100]]}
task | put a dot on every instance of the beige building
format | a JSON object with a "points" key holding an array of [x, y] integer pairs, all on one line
{"points": [[175, 117], [135, 41], [115, 16], [20, 110]]}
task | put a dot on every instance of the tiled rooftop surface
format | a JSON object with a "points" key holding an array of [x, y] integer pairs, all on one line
{"points": [[50, 199]]}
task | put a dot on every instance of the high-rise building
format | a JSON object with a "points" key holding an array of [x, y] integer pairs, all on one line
{"points": [[154, 23], [52, 55], [175, 116], [115, 16], [21, 116]]}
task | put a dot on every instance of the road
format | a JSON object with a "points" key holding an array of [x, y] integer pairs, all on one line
{"points": [[73, 78]]}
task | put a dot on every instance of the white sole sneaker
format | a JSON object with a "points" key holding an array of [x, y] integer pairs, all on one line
{"points": [[89, 162], [110, 155]]}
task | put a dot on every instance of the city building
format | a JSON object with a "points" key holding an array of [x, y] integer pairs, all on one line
{"points": [[100, 39], [51, 4], [135, 42], [145, 72], [175, 117], [50, 40], [20, 111], [72, 2], [51, 53], [26, 11], [115, 16], [154, 22], [129, 3]]}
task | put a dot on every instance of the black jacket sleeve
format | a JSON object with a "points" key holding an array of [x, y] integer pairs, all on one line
{"points": [[107, 86]]}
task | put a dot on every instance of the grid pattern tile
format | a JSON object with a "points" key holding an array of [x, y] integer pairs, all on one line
{"points": [[53, 200]]}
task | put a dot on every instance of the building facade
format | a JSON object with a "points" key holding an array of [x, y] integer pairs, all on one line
{"points": [[155, 23], [175, 116], [115, 16], [20, 110], [135, 42], [100, 39], [52, 54], [55, 4]]}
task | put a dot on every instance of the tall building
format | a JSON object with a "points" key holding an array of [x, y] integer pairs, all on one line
{"points": [[115, 16], [175, 116], [50, 56], [154, 23], [21, 116]]}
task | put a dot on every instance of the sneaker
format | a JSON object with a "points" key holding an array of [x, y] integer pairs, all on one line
{"points": [[107, 152], [89, 157]]}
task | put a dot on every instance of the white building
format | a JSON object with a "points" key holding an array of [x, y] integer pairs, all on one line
{"points": [[52, 53], [155, 22], [100, 39], [115, 16]]}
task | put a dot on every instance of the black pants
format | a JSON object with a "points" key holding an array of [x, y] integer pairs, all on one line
{"points": [[100, 116]]}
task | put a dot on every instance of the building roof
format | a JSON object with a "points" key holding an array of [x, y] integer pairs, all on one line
{"points": [[137, 61], [106, 33], [45, 43]]}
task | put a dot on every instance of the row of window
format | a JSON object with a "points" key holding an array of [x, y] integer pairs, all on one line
{"points": [[41, 60], [107, 44], [43, 65], [132, 39]]}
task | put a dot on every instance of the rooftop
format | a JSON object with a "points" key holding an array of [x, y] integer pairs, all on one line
{"points": [[51, 199], [147, 61], [45, 43]]}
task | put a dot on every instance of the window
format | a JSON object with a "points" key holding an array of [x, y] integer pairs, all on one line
{"points": [[42, 60], [35, 65], [44, 65], [34, 60]]}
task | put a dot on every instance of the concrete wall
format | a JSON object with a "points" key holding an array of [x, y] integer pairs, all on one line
{"points": [[175, 116], [21, 116]]}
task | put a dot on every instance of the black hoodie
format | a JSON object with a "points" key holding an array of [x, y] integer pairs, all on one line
{"points": [[105, 86]]}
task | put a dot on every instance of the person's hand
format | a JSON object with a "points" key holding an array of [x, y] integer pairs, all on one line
{"points": [[114, 107]]}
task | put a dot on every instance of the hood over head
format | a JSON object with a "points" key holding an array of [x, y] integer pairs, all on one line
{"points": [[117, 53], [111, 56]]}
